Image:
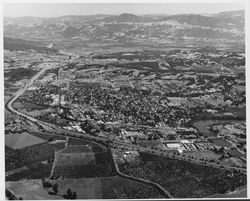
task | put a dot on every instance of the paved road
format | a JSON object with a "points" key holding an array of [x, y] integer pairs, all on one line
{"points": [[56, 130], [22, 90]]}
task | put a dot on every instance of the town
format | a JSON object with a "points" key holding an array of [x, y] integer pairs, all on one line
{"points": [[170, 120]]}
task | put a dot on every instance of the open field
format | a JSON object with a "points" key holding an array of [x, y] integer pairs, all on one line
{"points": [[19, 141], [85, 188], [74, 159], [221, 142], [206, 154], [94, 146], [30, 190], [27, 105], [108, 188], [79, 161], [47, 137], [77, 149]]}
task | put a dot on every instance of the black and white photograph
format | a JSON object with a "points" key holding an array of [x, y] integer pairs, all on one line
{"points": [[128, 100]]}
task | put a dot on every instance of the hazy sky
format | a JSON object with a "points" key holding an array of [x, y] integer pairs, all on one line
{"points": [[52, 10]]}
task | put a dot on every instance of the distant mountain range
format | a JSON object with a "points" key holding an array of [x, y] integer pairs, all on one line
{"points": [[126, 28]]}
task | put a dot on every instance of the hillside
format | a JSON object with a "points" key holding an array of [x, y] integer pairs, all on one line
{"points": [[19, 44], [131, 29]]}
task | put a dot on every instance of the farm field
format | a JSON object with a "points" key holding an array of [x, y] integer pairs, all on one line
{"points": [[85, 188], [29, 155], [19, 141], [30, 190], [79, 161], [36, 171]]}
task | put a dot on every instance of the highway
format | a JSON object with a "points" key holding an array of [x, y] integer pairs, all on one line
{"points": [[57, 130]]}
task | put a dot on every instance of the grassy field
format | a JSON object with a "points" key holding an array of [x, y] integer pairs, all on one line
{"points": [[77, 149], [27, 105], [87, 188], [30, 190], [19, 141], [74, 159]]}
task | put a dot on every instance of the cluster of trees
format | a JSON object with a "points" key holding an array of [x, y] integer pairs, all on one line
{"points": [[164, 171], [69, 194]]}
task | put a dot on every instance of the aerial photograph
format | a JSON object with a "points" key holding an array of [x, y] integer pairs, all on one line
{"points": [[124, 101]]}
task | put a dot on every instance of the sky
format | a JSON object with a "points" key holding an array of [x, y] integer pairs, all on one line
{"points": [[59, 9]]}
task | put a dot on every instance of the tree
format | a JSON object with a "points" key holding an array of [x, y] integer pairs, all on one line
{"points": [[47, 184], [50, 139], [69, 193], [55, 188], [74, 196]]}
